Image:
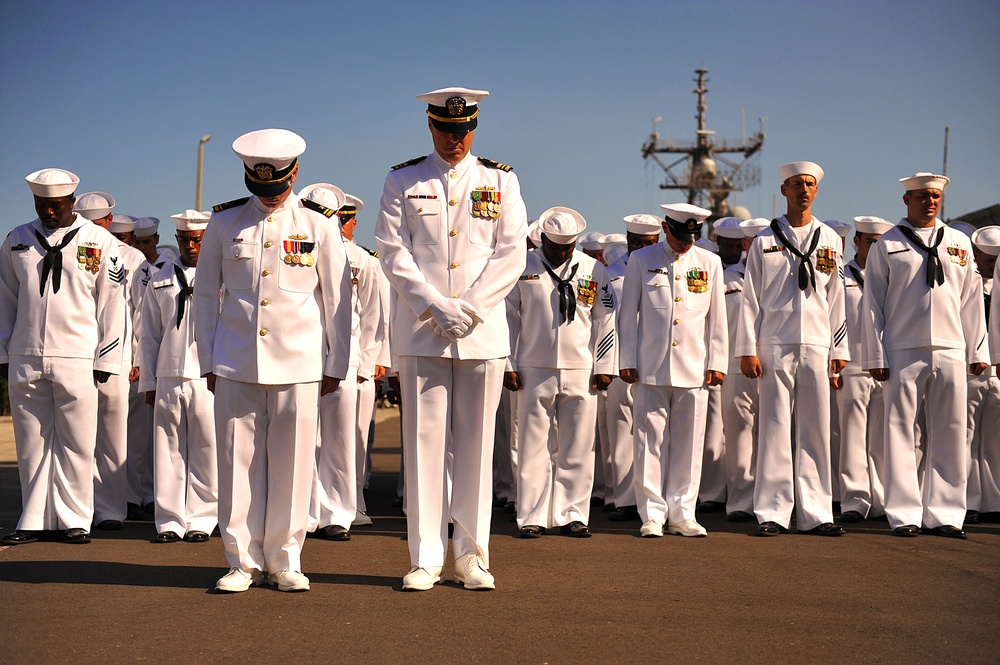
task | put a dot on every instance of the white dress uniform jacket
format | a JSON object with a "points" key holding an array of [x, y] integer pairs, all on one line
{"points": [[680, 294]]}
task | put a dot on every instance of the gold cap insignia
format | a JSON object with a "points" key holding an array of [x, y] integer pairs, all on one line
{"points": [[264, 171], [456, 106]]}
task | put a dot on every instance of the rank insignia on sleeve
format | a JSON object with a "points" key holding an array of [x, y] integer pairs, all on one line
{"points": [[409, 162], [958, 255], [826, 259], [495, 165], [697, 280], [230, 204]]}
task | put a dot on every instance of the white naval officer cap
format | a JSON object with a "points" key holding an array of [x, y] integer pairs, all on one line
{"points": [[987, 240], [146, 227], [685, 220], [352, 206], [325, 194], [925, 180], [94, 205], [842, 228], [453, 110], [705, 243], [751, 227], [642, 224], [122, 224], [590, 240], [269, 158], [562, 225], [191, 220], [728, 227], [869, 224], [801, 168], [52, 183], [535, 233]]}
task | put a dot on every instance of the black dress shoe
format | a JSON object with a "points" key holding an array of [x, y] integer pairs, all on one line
{"points": [[770, 529], [500, 503], [334, 532], [711, 507], [149, 507], [532, 531], [110, 525], [906, 531], [19, 538], [397, 502], [510, 508], [739, 516], [575, 530], [596, 501], [134, 512], [825, 529], [947, 531], [166, 537], [196, 537], [609, 507], [972, 517], [624, 514], [851, 517], [76, 536]]}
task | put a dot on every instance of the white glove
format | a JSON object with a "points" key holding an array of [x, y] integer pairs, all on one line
{"points": [[450, 318]]}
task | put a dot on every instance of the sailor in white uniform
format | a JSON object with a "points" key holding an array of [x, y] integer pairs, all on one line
{"points": [[450, 236], [185, 475], [674, 343], [335, 494], [925, 330], [561, 318], [62, 328], [984, 397], [792, 334], [281, 339], [858, 396]]}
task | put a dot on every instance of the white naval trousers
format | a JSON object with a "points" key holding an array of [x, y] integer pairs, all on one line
{"points": [[739, 416], [503, 475], [185, 460], [795, 388], [935, 378], [140, 448], [266, 439], [619, 410], [365, 421], [53, 402], [447, 420], [713, 465], [335, 490], [984, 440], [110, 477], [602, 486], [557, 413], [862, 444], [669, 437]]}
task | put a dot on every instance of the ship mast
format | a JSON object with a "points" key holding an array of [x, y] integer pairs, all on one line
{"points": [[709, 173]]}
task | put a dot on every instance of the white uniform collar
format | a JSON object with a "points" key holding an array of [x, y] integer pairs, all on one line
{"points": [[937, 224], [77, 221], [459, 168]]}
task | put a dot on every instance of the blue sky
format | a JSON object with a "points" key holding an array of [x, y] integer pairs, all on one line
{"points": [[120, 92]]}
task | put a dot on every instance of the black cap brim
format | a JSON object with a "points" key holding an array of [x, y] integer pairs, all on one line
{"points": [[266, 191]]}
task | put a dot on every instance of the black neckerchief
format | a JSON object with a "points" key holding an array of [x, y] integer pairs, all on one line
{"points": [[987, 297], [52, 263], [935, 273], [807, 274], [858, 277], [567, 299], [184, 295]]}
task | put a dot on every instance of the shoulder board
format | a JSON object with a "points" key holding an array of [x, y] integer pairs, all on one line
{"points": [[230, 204], [495, 165], [370, 251], [317, 207], [409, 162]]}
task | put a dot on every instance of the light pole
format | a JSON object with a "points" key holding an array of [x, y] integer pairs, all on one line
{"points": [[201, 156]]}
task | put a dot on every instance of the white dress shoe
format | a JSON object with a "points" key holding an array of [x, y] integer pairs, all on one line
{"points": [[470, 571], [289, 580], [361, 519], [237, 580], [687, 528], [651, 529], [421, 579]]}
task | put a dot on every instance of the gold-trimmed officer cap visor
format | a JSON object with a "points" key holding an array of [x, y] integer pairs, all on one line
{"points": [[265, 181]]}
